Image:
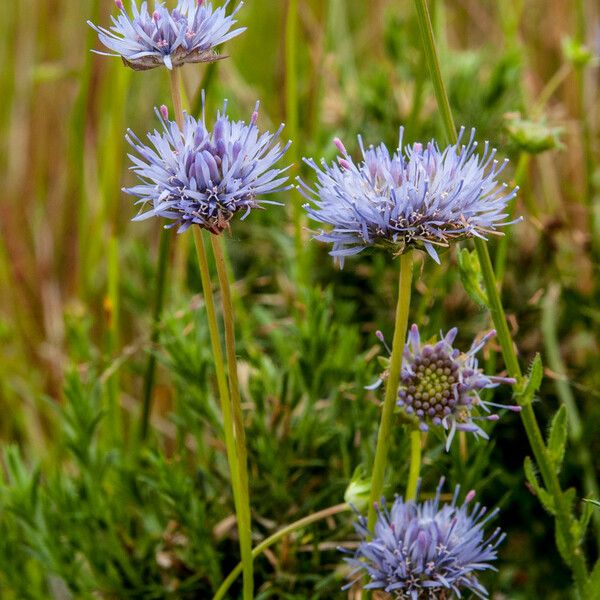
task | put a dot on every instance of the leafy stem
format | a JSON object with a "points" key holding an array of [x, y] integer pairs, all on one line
{"points": [[572, 552]]}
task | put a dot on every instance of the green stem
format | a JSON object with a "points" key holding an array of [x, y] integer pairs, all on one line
{"points": [[273, 539], [576, 559], [415, 465], [391, 389], [244, 515], [217, 351], [159, 297]]}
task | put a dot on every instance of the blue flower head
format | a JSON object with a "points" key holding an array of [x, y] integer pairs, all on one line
{"points": [[187, 34], [440, 385], [421, 551], [419, 196], [201, 177]]}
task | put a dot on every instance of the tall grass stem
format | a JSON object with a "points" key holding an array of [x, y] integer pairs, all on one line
{"points": [[391, 388]]}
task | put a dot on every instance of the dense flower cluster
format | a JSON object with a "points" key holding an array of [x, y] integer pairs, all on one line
{"points": [[421, 551], [203, 177], [187, 34], [418, 196], [440, 385]]}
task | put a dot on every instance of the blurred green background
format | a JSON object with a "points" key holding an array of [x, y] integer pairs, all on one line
{"points": [[84, 512]]}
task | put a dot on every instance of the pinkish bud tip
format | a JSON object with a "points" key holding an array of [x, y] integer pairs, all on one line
{"points": [[379, 335], [493, 418], [199, 2], [164, 111], [470, 496], [254, 117], [119, 4], [515, 408], [344, 163], [418, 147], [155, 16], [340, 145]]}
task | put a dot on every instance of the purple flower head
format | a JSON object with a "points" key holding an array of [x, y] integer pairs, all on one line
{"points": [[187, 34], [420, 196], [419, 551], [203, 177], [440, 385]]}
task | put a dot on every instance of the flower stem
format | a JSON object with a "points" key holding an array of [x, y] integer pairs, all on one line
{"points": [[217, 351], [391, 389], [176, 97], [415, 465], [244, 516], [159, 296], [575, 558], [273, 539]]}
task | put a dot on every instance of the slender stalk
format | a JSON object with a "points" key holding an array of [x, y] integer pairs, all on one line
{"points": [[159, 298], [217, 351], [415, 465], [176, 96], [273, 539], [391, 389], [244, 516], [576, 560]]}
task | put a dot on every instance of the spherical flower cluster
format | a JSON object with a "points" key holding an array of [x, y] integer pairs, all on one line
{"points": [[419, 551], [187, 34], [440, 385], [419, 197], [201, 177]]}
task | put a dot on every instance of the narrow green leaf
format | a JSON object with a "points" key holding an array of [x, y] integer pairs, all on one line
{"points": [[533, 382], [557, 439], [584, 521], [384, 361], [540, 492]]}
